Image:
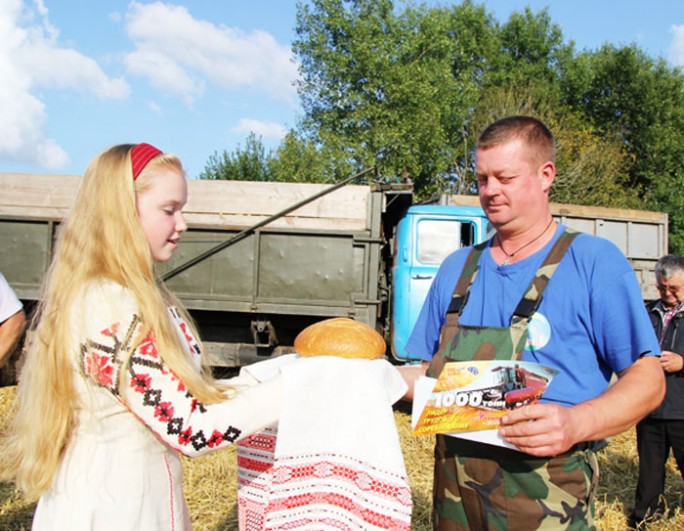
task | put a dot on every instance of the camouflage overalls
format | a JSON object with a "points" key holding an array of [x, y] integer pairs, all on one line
{"points": [[483, 487]]}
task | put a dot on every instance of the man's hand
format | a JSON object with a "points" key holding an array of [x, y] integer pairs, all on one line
{"points": [[671, 361], [10, 332], [542, 430], [411, 373], [551, 429]]}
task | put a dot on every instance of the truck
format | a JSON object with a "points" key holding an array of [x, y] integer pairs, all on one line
{"points": [[262, 260]]}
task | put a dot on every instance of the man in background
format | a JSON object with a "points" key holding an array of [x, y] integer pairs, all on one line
{"points": [[663, 429]]}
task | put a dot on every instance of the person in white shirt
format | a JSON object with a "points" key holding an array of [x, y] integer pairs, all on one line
{"points": [[12, 321]]}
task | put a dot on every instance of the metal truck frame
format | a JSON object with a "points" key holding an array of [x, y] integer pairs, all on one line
{"points": [[263, 260]]}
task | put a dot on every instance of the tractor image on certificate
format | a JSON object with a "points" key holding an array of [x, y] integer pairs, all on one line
{"points": [[474, 395]]}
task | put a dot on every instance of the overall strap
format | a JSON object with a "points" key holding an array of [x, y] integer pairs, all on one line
{"points": [[468, 274], [533, 296]]}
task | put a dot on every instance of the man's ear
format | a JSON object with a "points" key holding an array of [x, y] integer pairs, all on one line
{"points": [[547, 173]]}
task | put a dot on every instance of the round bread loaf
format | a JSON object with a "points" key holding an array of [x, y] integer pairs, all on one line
{"points": [[341, 337]]}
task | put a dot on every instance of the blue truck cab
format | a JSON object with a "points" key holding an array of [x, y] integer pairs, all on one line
{"points": [[425, 236]]}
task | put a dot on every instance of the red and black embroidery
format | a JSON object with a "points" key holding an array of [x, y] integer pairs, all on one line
{"points": [[164, 413], [155, 394], [101, 360], [193, 344], [199, 440]]}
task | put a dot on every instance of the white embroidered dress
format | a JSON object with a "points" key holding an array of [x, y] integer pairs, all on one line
{"points": [[122, 469]]}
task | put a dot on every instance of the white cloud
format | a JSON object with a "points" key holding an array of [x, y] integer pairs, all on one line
{"points": [[31, 59], [22, 134], [155, 107], [176, 51], [64, 68], [677, 46], [266, 130], [167, 75]]}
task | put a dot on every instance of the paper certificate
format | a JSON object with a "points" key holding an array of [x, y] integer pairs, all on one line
{"points": [[472, 396]]}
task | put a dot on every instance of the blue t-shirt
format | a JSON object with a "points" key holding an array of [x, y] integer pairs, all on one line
{"points": [[591, 323]]}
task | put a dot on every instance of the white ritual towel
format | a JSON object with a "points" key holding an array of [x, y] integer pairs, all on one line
{"points": [[336, 460], [267, 369]]}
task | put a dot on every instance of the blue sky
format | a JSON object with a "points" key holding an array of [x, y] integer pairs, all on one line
{"points": [[194, 77]]}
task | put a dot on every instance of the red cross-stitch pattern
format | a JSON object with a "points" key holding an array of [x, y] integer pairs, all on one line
{"points": [[153, 392], [316, 491], [99, 368]]}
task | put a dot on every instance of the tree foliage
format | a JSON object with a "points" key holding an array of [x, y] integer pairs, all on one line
{"points": [[295, 160], [638, 102], [299, 160], [408, 87], [588, 169], [378, 87], [249, 164]]}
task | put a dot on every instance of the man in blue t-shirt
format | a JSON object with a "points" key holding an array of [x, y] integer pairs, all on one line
{"points": [[590, 324]]}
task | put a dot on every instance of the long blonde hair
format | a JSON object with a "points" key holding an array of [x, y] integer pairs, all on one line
{"points": [[101, 239]]}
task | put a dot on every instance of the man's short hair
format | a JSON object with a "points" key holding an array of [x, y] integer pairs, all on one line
{"points": [[669, 265], [526, 128]]}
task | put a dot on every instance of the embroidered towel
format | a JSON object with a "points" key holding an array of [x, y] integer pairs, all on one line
{"points": [[335, 460]]}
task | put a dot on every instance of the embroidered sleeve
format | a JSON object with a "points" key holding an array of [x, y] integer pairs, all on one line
{"points": [[101, 357], [158, 398]]}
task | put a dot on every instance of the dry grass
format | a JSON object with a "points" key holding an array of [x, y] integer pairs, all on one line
{"points": [[210, 485]]}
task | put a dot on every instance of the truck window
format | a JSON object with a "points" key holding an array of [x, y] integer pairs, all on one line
{"points": [[437, 238]]}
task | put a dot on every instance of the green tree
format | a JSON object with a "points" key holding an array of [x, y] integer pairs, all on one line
{"points": [[523, 74], [638, 102], [249, 164], [379, 86], [589, 169], [299, 160], [530, 48], [409, 89]]}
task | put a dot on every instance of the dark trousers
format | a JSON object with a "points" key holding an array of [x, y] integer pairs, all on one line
{"points": [[654, 440]]}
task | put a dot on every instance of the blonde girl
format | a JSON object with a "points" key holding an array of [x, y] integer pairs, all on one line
{"points": [[111, 389]]}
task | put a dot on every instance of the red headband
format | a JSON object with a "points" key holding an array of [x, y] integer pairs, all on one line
{"points": [[141, 155]]}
